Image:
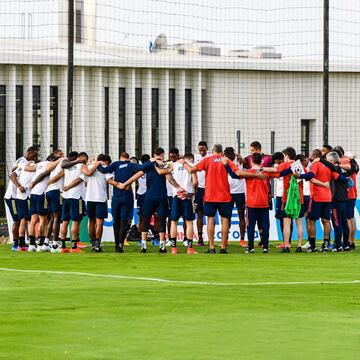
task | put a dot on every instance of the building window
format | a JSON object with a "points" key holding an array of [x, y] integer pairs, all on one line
{"points": [[54, 118], [188, 121], [138, 122], [36, 116], [2, 146], [155, 118], [79, 19], [19, 121], [305, 137], [172, 109], [122, 119], [106, 103]]}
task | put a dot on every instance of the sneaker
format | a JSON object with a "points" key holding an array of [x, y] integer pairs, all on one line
{"points": [[324, 247], [352, 246], [168, 243], [185, 243], [200, 243], [22, 248], [298, 249], [39, 248], [242, 243], [331, 246], [306, 245], [126, 243], [76, 250], [210, 251], [15, 247], [31, 248], [65, 250], [81, 245], [46, 248], [346, 248], [285, 250], [250, 251], [223, 251], [310, 250], [174, 251], [156, 242], [55, 250], [191, 251], [162, 251], [281, 245], [265, 251]]}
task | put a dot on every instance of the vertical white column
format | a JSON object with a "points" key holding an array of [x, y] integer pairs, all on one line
{"points": [[98, 119], [130, 111], [114, 114], [45, 113], [62, 107], [196, 110], [146, 113], [180, 111], [164, 111], [10, 117], [28, 105], [80, 128]]}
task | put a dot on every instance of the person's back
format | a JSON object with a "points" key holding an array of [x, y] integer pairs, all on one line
{"points": [[256, 192], [155, 183], [323, 174]]}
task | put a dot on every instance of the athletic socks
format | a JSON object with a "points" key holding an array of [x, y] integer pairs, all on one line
{"points": [[46, 241], [16, 242], [173, 242], [190, 243], [41, 240], [32, 240], [63, 244], [162, 245], [312, 243], [74, 244], [200, 236], [143, 244], [22, 241]]}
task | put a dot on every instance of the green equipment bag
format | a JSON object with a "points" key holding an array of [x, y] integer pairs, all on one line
{"points": [[293, 203]]}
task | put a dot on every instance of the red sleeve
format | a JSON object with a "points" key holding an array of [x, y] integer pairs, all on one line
{"points": [[233, 167], [282, 167], [314, 168], [334, 175], [272, 175], [201, 165]]}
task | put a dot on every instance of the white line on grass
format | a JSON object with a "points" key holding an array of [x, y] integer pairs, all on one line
{"points": [[126, 277]]}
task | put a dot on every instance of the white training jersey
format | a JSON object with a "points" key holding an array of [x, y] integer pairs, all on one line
{"points": [[11, 188], [279, 183], [169, 187], [142, 185], [40, 187], [70, 175], [306, 185], [25, 178], [96, 185], [200, 174], [183, 178], [58, 185], [237, 186]]}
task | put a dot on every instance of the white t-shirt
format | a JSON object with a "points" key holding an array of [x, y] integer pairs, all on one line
{"points": [[11, 188], [58, 185], [200, 174], [142, 185], [237, 186], [40, 187], [25, 178], [70, 175], [183, 178], [169, 187], [306, 185], [96, 185]]}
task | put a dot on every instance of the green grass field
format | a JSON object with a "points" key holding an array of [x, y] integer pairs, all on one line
{"points": [[78, 316]]}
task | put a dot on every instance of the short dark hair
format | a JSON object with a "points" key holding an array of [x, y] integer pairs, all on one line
{"points": [[144, 158], [83, 153], [173, 150], [290, 152], [203, 143], [328, 147], [230, 153], [32, 148], [188, 156], [256, 159], [125, 155], [278, 156], [73, 154], [256, 145], [339, 150], [158, 151], [134, 158], [300, 157], [103, 157], [217, 148], [51, 157], [316, 153]]}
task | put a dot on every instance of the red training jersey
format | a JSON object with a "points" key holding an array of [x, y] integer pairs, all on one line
{"points": [[257, 194], [217, 188]]}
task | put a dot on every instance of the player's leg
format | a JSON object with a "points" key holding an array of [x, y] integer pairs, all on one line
{"points": [[313, 216], [210, 211], [345, 226], [33, 221], [225, 212], [188, 213], [241, 213], [199, 204], [24, 216], [90, 207], [251, 222], [264, 221], [162, 209], [12, 207], [174, 218], [325, 219], [351, 222], [100, 215], [287, 232], [76, 212]]}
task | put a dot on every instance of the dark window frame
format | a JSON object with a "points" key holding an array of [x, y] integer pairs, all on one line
{"points": [[138, 122], [122, 119], [2, 147], [36, 114], [19, 121], [107, 120], [154, 118], [188, 120], [172, 117], [54, 116]]}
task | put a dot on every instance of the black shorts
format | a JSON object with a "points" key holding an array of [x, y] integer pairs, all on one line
{"points": [[11, 205]]}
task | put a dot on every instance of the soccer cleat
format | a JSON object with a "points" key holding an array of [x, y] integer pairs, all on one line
{"points": [[39, 248], [265, 251], [331, 246], [32, 248], [352, 246], [22, 248], [81, 245], [306, 245], [285, 250], [162, 251], [76, 250], [156, 242], [310, 250], [55, 250], [346, 248], [191, 251], [46, 248], [143, 250], [223, 251], [281, 245], [14, 248], [126, 243], [168, 243], [298, 249], [250, 251], [64, 250], [174, 251], [324, 247], [242, 243], [200, 243], [185, 243], [210, 251]]}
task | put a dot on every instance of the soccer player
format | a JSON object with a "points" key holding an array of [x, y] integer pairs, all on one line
{"points": [[96, 199], [73, 207], [156, 195], [325, 150], [141, 191], [183, 207], [217, 193], [237, 191], [200, 192], [10, 196], [122, 203]]}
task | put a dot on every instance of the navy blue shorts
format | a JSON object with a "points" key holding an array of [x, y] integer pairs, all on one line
{"points": [[182, 208], [38, 205], [95, 209], [155, 205], [139, 202], [199, 199], [319, 210], [238, 200], [73, 209], [278, 208], [11, 204], [224, 209], [306, 203], [122, 208], [170, 201], [23, 207], [351, 208], [53, 198]]}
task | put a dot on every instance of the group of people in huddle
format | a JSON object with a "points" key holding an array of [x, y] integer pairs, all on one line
{"points": [[47, 197]]}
